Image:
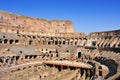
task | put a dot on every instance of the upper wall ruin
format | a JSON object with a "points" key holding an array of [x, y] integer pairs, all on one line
{"points": [[36, 24]]}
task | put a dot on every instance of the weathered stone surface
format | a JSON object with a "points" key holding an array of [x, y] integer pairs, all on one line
{"points": [[40, 49]]}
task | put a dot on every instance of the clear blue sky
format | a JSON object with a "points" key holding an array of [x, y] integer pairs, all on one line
{"points": [[87, 15]]}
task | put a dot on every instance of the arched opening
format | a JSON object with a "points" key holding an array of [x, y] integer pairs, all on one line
{"points": [[0, 41], [30, 56], [50, 51], [81, 72], [20, 52], [6, 60], [30, 42], [34, 37], [40, 77], [60, 42], [26, 56], [94, 43], [68, 42], [79, 54], [51, 55], [48, 42], [63, 42], [56, 43], [57, 55], [67, 50], [35, 56], [100, 71], [17, 57], [5, 41], [11, 41], [108, 45], [1, 61], [16, 41], [18, 69], [71, 42], [76, 43], [3, 36], [17, 31]]}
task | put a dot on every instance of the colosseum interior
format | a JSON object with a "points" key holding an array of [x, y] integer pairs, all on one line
{"points": [[40, 49]]}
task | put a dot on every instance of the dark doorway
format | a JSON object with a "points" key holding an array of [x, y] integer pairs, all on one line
{"points": [[79, 54], [30, 42], [11, 41], [17, 31], [100, 71]]}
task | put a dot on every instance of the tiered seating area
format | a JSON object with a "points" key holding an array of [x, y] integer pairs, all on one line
{"points": [[38, 49]]}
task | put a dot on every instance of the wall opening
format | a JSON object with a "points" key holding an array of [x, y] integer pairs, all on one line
{"points": [[11, 41], [60, 42], [1, 61], [26, 56], [17, 57], [48, 42], [79, 54], [30, 42], [16, 41], [100, 71], [56, 43], [63, 42], [75, 43], [30, 56], [94, 43], [0, 41], [17, 31], [5, 41]]}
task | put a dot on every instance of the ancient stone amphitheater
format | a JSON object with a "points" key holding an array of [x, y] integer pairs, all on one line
{"points": [[40, 49]]}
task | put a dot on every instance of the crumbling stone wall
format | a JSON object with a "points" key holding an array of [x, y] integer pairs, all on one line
{"points": [[27, 43], [36, 24]]}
